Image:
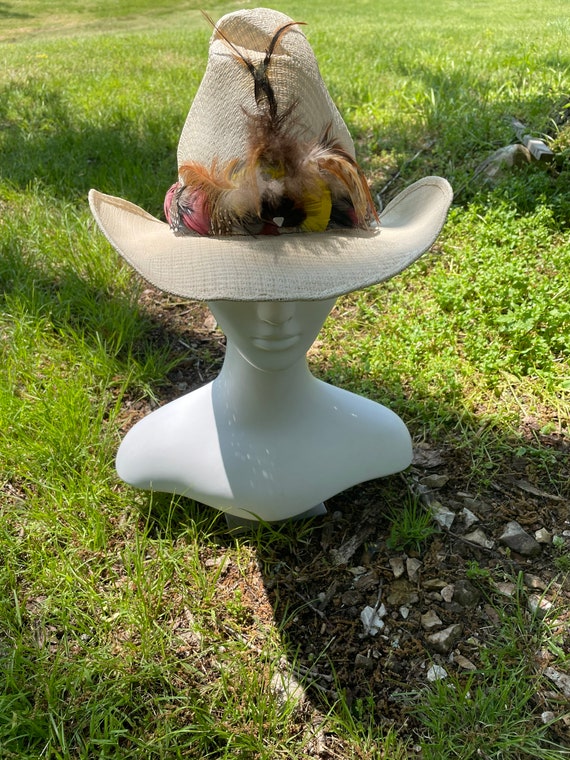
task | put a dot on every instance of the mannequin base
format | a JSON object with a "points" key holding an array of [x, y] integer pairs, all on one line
{"points": [[241, 524]]}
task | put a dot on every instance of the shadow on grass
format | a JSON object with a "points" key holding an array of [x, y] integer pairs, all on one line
{"points": [[44, 143], [117, 333], [7, 10]]}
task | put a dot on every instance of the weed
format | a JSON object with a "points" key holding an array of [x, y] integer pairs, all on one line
{"points": [[474, 572], [411, 527]]}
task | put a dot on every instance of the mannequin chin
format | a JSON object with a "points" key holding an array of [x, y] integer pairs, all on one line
{"points": [[271, 335]]}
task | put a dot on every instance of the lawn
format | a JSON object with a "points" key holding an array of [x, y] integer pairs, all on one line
{"points": [[132, 625]]}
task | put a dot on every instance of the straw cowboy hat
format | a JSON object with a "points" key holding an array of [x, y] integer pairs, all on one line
{"points": [[270, 204]]}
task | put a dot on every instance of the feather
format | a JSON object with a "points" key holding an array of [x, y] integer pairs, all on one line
{"points": [[317, 206], [346, 175], [186, 209], [262, 85]]}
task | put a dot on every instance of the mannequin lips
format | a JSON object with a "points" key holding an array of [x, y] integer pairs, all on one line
{"points": [[275, 342]]}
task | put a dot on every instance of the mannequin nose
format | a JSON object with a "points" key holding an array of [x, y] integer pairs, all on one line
{"points": [[275, 312]]}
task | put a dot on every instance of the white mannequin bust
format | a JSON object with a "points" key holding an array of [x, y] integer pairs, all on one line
{"points": [[265, 439]]}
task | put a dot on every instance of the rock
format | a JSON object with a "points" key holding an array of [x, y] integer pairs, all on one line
{"points": [[538, 605], [443, 516], [436, 673], [465, 594], [362, 661], [351, 598], [434, 583], [372, 619], [468, 517], [479, 538], [412, 568], [474, 505], [561, 680], [434, 481], [430, 620], [425, 456], [447, 592], [286, 688], [397, 565], [367, 581], [463, 662], [402, 594], [533, 581], [404, 612], [519, 541], [543, 536], [444, 641], [506, 588]]}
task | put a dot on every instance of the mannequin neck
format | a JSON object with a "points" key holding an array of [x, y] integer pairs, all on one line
{"points": [[251, 394]]}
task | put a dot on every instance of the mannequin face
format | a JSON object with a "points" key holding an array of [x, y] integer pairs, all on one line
{"points": [[271, 335]]}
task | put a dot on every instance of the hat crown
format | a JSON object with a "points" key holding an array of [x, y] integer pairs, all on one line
{"points": [[216, 128]]}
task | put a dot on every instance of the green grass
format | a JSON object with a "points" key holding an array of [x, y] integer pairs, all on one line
{"points": [[485, 714], [115, 641], [411, 527]]}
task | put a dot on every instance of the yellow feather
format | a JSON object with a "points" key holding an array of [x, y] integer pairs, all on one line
{"points": [[317, 205]]}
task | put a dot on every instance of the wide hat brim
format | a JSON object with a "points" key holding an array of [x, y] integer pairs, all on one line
{"points": [[288, 267]]}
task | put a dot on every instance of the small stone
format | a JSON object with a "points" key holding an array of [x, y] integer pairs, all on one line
{"points": [[466, 594], [474, 505], [444, 641], [350, 598], [447, 592], [286, 688], [442, 515], [543, 536], [547, 717], [412, 568], [434, 583], [434, 481], [538, 605], [404, 612], [210, 323], [372, 619], [357, 571], [362, 661], [468, 517], [479, 538], [397, 565], [561, 680], [463, 662], [533, 581], [506, 588], [430, 620], [425, 456], [519, 541], [436, 673], [402, 594]]}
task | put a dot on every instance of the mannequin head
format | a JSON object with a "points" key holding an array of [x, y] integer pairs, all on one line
{"points": [[271, 335]]}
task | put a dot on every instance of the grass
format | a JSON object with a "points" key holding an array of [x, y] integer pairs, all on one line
{"points": [[411, 527], [116, 637], [485, 714]]}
